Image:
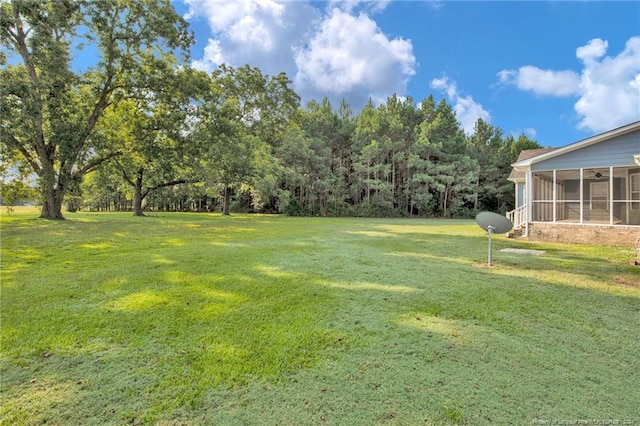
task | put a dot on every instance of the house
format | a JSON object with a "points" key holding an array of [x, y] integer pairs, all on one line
{"points": [[588, 191]]}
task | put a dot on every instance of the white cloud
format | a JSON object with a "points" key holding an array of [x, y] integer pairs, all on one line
{"points": [[349, 56], [595, 49], [635, 83], [528, 131], [338, 52], [223, 14], [607, 87], [351, 6], [260, 33], [467, 110], [445, 85], [212, 57], [542, 82], [610, 94]]}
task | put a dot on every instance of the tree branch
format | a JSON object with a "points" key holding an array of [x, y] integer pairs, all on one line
{"points": [[96, 162], [21, 41], [98, 109], [15, 143], [171, 183], [126, 177], [108, 88]]}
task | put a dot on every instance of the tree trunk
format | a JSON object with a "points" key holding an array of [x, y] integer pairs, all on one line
{"points": [[52, 204], [225, 202], [137, 203], [475, 203], [52, 196], [446, 197], [137, 196]]}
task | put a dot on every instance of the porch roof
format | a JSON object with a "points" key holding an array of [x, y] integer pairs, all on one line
{"points": [[518, 175]]}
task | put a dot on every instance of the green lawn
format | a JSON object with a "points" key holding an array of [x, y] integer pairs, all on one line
{"points": [[203, 319]]}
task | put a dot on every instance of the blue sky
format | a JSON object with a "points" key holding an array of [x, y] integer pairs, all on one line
{"points": [[557, 71]]}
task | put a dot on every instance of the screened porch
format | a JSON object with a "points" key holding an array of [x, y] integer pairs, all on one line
{"points": [[591, 195]]}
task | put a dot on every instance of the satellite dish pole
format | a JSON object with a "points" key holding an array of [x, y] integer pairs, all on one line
{"points": [[490, 230], [493, 223]]}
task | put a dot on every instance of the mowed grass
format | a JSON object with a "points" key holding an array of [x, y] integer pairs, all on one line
{"points": [[201, 319]]}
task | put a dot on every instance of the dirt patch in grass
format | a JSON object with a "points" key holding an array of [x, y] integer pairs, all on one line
{"points": [[628, 281]]}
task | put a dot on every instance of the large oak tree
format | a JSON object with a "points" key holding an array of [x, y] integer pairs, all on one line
{"points": [[242, 115], [152, 132], [48, 109]]}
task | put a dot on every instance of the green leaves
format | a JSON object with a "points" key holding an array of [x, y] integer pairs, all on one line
{"points": [[242, 115], [49, 110], [167, 123], [394, 159]]}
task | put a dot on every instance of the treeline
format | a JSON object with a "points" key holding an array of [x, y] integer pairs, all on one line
{"points": [[395, 159], [141, 130]]}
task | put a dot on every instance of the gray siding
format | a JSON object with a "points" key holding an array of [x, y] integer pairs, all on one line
{"points": [[520, 190], [615, 152]]}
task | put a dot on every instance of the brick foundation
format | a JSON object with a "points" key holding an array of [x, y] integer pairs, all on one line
{"points": [[585, 234]]}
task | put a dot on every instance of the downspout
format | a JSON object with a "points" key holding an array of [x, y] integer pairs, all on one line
{"points": [[555, 195], [581, 196], [611, 196], [527, 201]]}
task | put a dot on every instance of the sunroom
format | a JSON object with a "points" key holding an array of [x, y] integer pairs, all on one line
{"points": [[594, 182]]}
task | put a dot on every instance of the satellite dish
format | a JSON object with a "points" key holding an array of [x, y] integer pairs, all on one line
{"points": [[499, 224], [493, 223]]}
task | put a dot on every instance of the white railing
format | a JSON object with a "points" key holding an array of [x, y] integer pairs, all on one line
{"points": [[518, 216]]}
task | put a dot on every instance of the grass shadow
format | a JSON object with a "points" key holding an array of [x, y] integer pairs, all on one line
{"points": [[284, 320]]}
